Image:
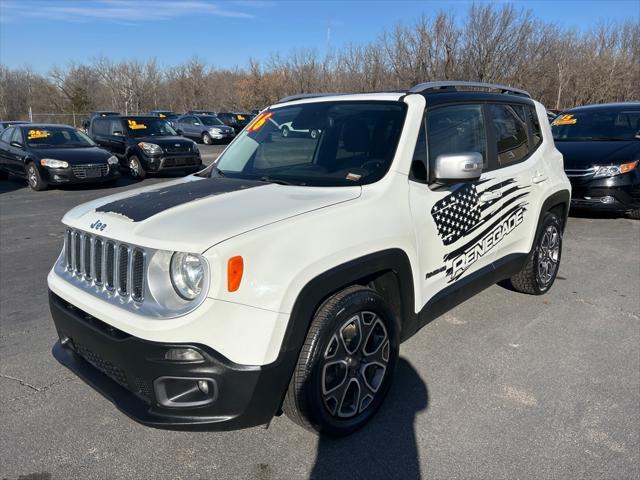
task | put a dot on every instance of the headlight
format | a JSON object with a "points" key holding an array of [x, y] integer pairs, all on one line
{"points": [[215, 130], [187, 274], [613, 170], [150, 148], [112, 160], [53, 163]]}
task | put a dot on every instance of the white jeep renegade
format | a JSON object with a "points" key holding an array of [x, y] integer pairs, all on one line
{"points": [[285, 276]]}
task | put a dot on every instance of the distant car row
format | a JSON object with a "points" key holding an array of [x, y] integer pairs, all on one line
{"points": [[46, 154], [237, 121]]}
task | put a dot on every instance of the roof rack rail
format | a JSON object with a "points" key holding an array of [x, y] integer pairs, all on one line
{"points": [[454, 84], [302, 96]]}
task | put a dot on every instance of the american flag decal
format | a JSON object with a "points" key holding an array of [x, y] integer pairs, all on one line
{"points": [[457, 213]]}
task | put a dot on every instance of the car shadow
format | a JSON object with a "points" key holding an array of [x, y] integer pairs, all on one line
{"points": [[12, 184], [386, 447], [595, 214]]}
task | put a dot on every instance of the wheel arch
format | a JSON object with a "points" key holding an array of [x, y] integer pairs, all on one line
{"points": [[387, 271], [557, 203]]}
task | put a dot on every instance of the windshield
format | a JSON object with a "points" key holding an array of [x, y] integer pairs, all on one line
{"points": [[335, 144], [211, 121], [56, 137], [593, 125], [149, 127]]}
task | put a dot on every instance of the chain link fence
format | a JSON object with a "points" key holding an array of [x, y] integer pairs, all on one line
{"points": [[73, 119]]}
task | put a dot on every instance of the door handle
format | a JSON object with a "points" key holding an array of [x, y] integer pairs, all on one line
{"points": [[539, 177], [490, 196]]}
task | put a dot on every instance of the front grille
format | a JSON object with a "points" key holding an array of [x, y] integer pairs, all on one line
{"points": [[180, 149], [113, 266], [179, 162], [580, 172], [90, 170]]}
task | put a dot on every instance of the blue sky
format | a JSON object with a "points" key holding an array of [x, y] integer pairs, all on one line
{"points": [[44, 33]]}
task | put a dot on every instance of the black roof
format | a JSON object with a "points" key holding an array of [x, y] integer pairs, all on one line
{"points": [[605, 106]]}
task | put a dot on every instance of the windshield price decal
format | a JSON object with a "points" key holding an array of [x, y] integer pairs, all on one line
{"points": [[259, 122], [33, 134], [133, 125], [567, 119]]}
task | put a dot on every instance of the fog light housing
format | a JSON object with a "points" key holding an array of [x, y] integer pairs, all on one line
{"points": [[181, 392], [183, 355]]}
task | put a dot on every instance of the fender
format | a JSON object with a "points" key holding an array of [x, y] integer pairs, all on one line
{"points": [[324, 285], [559, 197]]}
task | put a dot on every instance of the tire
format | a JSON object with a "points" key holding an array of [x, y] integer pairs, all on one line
{"points": [[285, 132], [34, 179], [206, 139], [349, 331], [313, 133], [136, 170], [3, 175], [635, 214], [541, 269]]}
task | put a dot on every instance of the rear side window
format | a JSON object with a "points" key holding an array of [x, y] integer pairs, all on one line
{"points": [[6, 135], [510, 129], [456, 129], [17, 136], [100, 126], [535, 127], [115, 125]]}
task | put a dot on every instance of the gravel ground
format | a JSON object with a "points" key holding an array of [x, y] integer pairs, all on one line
{"points": [[504, 386]]}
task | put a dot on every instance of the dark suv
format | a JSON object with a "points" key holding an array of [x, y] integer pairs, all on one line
{"points": [[235, 120], [145, 144], [601, 149]]}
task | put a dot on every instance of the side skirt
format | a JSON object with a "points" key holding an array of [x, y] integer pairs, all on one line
{"points": [[466, 288]]}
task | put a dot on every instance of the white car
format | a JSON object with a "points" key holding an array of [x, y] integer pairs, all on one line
{"points": [[285, 276]]}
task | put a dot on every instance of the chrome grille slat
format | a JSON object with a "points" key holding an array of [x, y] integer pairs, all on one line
{"points": [[106, 264], [580, 172]]}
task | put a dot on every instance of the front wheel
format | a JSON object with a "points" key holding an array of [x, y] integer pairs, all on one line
{"points": [[136, 170], [34, 178], [541, 268], [346, 364], [314, 133], [635, 214], [206, 139], [285, 132]]}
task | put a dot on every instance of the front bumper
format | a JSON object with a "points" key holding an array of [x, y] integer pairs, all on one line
{"points": [[620, 193], [61, 176], [125, 368], [165, 163]]}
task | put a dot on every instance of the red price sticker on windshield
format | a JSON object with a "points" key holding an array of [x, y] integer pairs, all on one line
{"points": [[259, 121]]}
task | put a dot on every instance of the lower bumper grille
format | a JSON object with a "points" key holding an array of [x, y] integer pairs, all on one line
{"points": [[90, 170], [180, 162]]}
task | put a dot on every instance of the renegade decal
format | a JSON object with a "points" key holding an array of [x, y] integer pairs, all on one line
{"points": [[460, 263], [461, 213], [146, 204]]}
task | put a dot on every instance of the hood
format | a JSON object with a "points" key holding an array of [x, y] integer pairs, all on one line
{"points": [[73, 156], [580, 155], [192, 213], [165, 141]]}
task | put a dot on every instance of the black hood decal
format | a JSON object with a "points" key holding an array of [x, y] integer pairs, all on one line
{"points": [[147, 204]]}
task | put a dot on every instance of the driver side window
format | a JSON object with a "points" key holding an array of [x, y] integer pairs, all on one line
{"points": [[456, 129]]}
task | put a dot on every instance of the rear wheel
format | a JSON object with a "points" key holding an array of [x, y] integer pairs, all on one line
{"points": [[34, 179], [541, 268], [206, 139], [136, 170], [346, 364], [313, 133]]}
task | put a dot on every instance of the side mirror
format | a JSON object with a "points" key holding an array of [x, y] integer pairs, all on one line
{"points": [[458, 167], [179, 131], [16, 144], [118, 133]]}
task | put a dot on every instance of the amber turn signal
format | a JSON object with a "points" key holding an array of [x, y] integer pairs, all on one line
{"points": [[235, 268]]}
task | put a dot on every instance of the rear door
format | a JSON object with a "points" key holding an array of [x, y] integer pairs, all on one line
{"points": [[99, 132], [117, 137], [17, 152], [5, 154]]}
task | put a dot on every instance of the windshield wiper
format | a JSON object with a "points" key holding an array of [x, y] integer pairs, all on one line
{"points": [[274, 180]]}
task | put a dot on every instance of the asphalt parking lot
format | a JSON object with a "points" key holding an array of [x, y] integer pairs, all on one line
{"points": [[504, 386]]}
